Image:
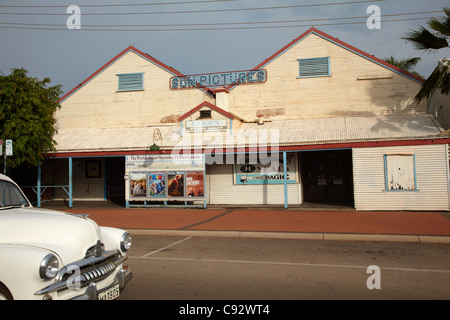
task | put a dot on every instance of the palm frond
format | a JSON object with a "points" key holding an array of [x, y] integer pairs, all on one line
{"points": [[423, 39], [441, 25], [410, 63], [407, 64], [430, 85], [445, 84]]}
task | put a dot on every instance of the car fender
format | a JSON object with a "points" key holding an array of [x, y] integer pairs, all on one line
{"points": [[111, 238], [19, 270]]}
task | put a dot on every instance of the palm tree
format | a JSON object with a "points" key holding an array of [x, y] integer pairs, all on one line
{"points": [[433, 40], [405, 64]]}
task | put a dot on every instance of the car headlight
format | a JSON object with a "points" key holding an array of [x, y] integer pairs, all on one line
{"points": [[125, 242], [49, 267]]}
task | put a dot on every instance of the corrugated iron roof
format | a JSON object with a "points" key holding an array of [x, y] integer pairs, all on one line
{"points": [[301, 132]]}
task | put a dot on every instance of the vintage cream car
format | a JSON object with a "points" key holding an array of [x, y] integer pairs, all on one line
{"points": [[47, 254]]}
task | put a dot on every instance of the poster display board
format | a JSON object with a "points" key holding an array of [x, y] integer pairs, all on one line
{"points": [[165, 177]]}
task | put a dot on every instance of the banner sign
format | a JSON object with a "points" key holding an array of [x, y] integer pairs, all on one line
{"points": [[165, 177], [218, 79], [247, 174]]}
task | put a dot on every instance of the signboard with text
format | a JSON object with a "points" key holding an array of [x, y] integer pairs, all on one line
{"points": [[271, 173], [218, 79], [206, 125], [9, 148]]}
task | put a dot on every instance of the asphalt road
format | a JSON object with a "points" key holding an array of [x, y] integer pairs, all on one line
{"points": [[200, 268]]}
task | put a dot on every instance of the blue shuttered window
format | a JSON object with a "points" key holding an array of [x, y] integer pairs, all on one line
{"points": [[314, 67], [131, 81]]}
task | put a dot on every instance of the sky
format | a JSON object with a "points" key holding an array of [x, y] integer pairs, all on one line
{"points": [[197, 36]]}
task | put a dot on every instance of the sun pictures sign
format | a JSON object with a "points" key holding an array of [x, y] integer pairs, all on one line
{"points": [[218, 79], [165, 177]]}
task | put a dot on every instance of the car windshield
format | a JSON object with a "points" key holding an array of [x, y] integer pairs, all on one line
{"points": [[11, 196]]}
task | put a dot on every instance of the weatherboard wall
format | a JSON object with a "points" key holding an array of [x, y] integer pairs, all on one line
{"points": [[99, 104], [355, 86], [431, 170], [223, 191]]}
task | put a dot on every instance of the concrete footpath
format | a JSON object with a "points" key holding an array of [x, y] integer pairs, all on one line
{"points": [[317, 224]]}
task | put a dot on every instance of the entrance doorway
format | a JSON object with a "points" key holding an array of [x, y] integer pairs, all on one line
{"points": [[115, 183], [327, 177]]}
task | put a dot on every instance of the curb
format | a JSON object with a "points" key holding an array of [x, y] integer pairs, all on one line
{"points": [[295, 235]]}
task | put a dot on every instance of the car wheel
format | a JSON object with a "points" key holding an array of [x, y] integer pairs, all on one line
{"points": [[4, 293]]}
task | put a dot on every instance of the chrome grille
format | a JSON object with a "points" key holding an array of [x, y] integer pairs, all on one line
{"points": [[98, 272], [91, 269]]}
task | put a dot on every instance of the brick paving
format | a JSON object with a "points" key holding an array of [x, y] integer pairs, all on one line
{"points": [[267, 220]]}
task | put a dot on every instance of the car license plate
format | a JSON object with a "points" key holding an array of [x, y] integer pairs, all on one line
{"points": [[110, 293]]}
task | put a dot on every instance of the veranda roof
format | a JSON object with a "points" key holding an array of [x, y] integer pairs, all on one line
{"points": [[296, 132]]}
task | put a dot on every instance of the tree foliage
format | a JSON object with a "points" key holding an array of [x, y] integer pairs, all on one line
{"points": [[407, 64], [433, 39], [27, 108]]}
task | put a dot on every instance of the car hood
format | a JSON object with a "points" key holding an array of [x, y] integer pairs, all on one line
{"points": [[66, 234]]}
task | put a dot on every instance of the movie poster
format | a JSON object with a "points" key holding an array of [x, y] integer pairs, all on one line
{"points": [[194, 184], [138, 184], [157, 184], [175, 182]]}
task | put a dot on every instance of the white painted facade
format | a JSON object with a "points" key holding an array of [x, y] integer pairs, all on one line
{"points": [[223, 191], [360, 113]]}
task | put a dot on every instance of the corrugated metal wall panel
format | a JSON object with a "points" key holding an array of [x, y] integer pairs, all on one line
{"points": [[222, 190], [431, 174]]}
